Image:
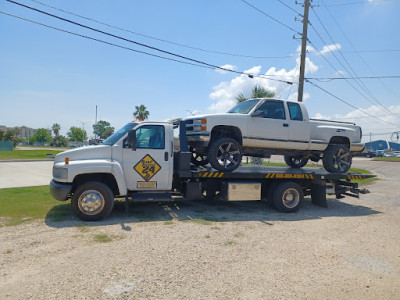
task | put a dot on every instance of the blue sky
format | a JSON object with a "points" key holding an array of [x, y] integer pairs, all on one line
{"points": [[51, 77]]}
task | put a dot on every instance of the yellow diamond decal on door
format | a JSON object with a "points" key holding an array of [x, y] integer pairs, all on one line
{"points": [[147, 167]]}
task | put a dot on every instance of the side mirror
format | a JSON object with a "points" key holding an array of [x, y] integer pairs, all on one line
{"points": [[132, 139], [257, 114]]}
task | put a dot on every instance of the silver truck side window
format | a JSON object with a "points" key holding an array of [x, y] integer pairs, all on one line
{"points": [[295, 111], [273, 109], [151, 137]]}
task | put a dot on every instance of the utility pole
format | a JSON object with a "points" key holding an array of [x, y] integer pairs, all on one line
{"points": [[303, 50]]}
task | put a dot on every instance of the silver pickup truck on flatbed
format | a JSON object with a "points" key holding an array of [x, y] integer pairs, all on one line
{"points": [[264, 127]]}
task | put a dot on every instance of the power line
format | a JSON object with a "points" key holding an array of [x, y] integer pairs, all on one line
{"points": [[325, 79], [271, 17], [102, 41], [358, 81], [335, 68], [142, 44], [347, 103], [159, 39], [358, 52], [358, 2], [142, 52], [292, 9]]}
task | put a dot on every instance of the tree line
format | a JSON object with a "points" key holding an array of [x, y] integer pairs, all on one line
{"points": [[102, 130]]}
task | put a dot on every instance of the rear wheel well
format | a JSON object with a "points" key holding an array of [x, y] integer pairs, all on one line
{"points": [[106, 178], [226, 131], [340, 140]]}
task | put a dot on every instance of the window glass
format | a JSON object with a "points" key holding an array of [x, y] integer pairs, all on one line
{"points": [[273, 110], [150, 136], [244, 107], [295, 111], [120, 133]]}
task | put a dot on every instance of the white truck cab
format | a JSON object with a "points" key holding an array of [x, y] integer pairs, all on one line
{"points": [[117, 164]]}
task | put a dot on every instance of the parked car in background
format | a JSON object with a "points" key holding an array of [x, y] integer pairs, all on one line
{"points": [[367, 153], [392, 154], [379, 153]]}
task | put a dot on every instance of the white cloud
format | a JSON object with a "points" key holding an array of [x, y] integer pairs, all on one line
{"points": [[227, 67], [378, 122], [224, 93], [325, 50], [330, 48]]}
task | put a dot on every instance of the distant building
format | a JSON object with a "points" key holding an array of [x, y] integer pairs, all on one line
{"points": [[24, 131], [383, 145]]}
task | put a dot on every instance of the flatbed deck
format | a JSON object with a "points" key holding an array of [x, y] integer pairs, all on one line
{"points": [[274, 172]]}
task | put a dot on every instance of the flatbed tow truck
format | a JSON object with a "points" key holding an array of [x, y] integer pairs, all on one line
{"points": [[138, 165]]}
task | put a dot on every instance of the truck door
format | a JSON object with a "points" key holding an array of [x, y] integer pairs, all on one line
{"points": [[150, 166], [299, 127], [271, 129]]}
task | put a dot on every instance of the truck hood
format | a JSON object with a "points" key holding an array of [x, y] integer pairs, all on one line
{"points": [[83, 153], [209, 116]]}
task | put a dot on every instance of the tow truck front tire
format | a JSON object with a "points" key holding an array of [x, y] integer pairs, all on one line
{"points": [[288, 197], [92, 201]]}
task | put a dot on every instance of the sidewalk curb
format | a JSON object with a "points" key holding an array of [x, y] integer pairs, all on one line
{"points": [[25, 160]]}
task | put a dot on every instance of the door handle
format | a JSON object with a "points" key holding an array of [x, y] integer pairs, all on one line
{"points": [[285, 125], [166, 156]]}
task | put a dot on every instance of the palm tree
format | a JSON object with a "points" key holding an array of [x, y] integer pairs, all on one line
{"points": [[257, 92], [56, 129], [141, 113]]}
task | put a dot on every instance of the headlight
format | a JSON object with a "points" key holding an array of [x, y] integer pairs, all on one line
{"points": [[60, 173], [200, 125]]}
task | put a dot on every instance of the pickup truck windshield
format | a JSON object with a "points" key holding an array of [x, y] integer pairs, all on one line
{"points": [[120, 133], [244, 107]]}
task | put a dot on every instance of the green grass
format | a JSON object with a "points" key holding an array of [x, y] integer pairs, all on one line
{"points": [[105, 238], [19, 205], [102, 238], [27, 154], [387, 159]]}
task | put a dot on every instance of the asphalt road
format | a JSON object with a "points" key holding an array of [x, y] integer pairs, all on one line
{"points": [[21, 174]]}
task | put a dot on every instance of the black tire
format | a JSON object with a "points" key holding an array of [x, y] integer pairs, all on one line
{"points": [[92, 201], [296, 161], [198, 159], [337, 159], [288, 197], [225, 154]]}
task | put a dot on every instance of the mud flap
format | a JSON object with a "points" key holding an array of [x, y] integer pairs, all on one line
{"points": [[318, 193]]}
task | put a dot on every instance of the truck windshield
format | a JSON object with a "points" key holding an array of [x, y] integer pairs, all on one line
{"points": [[244, 107], [118, 134]]}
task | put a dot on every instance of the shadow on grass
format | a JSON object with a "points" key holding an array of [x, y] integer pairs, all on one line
{"points": [[204, 212]]}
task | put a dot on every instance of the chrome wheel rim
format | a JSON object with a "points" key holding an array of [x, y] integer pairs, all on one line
{"points": [[228, 155], [342, 160], [291, 198], [91, 202]]}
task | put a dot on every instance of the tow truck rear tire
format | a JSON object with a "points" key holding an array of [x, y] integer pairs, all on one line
{"points": [[92, 201], [288, 197]]}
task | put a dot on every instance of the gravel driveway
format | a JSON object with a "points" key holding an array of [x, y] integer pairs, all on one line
{"points": [[203, 250]]}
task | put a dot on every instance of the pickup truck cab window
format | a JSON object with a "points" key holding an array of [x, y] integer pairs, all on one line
{"points": [[244, 107], [273, 109], [295, 111], [151, 137]]}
